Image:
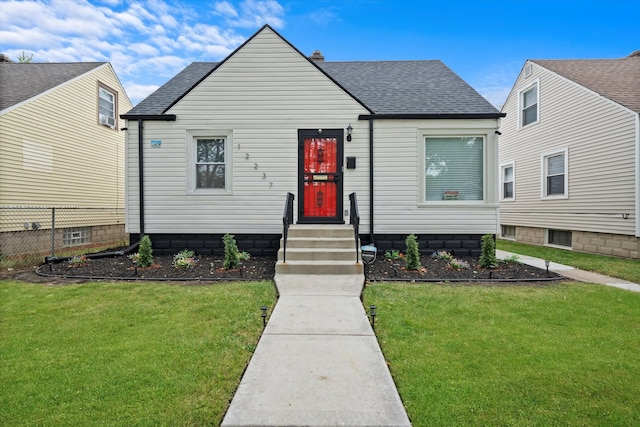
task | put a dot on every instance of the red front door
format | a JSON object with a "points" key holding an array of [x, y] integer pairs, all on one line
{"points": [[321, 173]]}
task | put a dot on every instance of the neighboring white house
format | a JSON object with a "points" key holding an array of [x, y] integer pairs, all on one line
{"points": [[217, 148], [61, 148], [570, 156]]}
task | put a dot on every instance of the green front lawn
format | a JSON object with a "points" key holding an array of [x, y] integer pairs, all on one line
{"points": [[126, 353], [563, 354], [626, 269]]}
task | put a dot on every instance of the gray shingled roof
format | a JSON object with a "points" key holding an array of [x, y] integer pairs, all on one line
{"points": [[616, 79], [385, 87], [20, 81]]}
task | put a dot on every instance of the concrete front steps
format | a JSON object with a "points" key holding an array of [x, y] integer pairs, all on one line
{"points": [[320, 249]]}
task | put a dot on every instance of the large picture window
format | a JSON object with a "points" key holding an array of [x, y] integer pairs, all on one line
{"points": [[210, 163], [454, 168]]}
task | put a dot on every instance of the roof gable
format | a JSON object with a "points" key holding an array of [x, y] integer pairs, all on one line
{"points": [[19, 82], [385, 88], [616, 79]]}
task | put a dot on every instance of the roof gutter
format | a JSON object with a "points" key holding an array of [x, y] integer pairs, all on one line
{"points": [[140, 119], [431, 116]]}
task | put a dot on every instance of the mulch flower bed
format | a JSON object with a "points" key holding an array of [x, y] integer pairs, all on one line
{"points": [[263, 268]]}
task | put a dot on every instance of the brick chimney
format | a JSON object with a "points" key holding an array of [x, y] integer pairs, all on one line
{"points": [[4, 58], [317, 56]]}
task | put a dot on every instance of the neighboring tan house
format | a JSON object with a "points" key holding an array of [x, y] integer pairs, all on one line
{"points": [[61, 156], [221, 145], [570, 156]]}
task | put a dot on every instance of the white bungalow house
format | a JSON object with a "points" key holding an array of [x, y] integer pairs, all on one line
{"points": [[218, 147], [570, 156], [61, 156]]}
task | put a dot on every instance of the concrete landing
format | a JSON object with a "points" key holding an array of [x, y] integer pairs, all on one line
{"points": [[318, 362]]}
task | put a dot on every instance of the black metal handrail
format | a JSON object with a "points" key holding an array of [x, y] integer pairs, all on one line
{"points": [[354, 220], [287, 220]]}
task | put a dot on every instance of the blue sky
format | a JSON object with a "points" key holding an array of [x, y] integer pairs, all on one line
{"points": [[485, 42]]}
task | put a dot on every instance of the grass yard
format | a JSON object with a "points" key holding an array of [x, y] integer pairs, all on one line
{"points": [[125, 353], [563, 354], [627, 269]]}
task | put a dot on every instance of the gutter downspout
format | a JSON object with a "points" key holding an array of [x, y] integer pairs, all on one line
{"points": [[371, 233], [637, 212], [141, 175]]}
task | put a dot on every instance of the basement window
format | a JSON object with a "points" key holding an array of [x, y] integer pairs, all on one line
{"points": [[508, 232], [76, 236], [559, 238]]}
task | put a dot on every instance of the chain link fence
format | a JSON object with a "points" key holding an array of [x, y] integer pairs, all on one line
{"points": [[29, 233]]}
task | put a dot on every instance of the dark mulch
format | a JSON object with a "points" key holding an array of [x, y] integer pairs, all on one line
{"points": [[438, 270], [209, 268]]}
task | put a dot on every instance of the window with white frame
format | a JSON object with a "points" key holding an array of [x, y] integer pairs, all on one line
{"points": [[211, 167], [529, 105], [508, 231], [454, 168], [107, 102], [508, 181], [554, 174]]}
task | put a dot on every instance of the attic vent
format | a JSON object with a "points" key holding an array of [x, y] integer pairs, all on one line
{"points": [[317, 56], [527, 70]]}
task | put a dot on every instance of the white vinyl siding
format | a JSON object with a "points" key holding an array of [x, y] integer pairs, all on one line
{"points": [[600, 137], [263, 94], [54, 153], [399, 164], [555, 174]]}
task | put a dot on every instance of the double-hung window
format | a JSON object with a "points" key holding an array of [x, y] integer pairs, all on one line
{"points": [[210, 163], [529, 105], [107, 102], [508, 181], [555, 174], [454, 168]]}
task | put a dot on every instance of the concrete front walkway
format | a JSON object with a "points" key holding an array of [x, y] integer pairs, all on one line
{"points": [[572, 272], [318, 362]]}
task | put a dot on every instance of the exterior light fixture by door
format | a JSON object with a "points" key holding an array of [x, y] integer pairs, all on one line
{"points": [[349, 129], [373, 311], [263, 311]]}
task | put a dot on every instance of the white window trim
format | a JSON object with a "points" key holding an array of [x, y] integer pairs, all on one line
{"points": [[103, 87], [452, 133], [520, 103], [191, 138], [503, 166], [543, 174]]}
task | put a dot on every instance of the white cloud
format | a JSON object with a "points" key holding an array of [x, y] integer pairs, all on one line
{"points": [[145, 40]]}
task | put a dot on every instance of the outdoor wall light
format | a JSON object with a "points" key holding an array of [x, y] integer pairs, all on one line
{"points": [[349, 129], [373, 311], [263, 311]]}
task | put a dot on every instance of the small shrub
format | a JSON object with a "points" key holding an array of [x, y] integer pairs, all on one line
{"points": [[513, 259], [231, 253], [458, 264], [393, 255], [78, 261], [185, 259], [143, 257], [488, 258], [443, 255], [244, 256], [412, 260]]}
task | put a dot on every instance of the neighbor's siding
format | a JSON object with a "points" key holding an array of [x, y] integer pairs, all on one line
{"points": [[54, 152], [262, 95], [600, 137], [399, 167]]}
